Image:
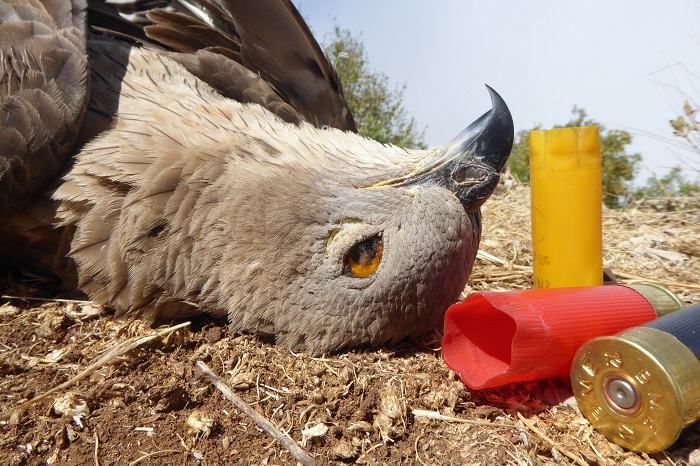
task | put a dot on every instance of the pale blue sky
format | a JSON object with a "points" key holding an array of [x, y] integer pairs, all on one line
{"points": [[624, 62]]}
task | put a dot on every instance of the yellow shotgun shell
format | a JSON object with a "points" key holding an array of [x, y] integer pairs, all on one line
{"points": [[566, 207]]}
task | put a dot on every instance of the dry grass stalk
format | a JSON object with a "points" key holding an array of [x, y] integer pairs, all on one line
{"points": [[284, 439], [544, 437], [441, 417], [152, 454], [119, 350], [97, 446]]}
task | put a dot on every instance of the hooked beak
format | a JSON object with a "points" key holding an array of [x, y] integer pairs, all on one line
{"points": [[470, 164]]}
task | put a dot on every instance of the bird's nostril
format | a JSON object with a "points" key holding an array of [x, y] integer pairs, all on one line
{"points": [[469, 174]]}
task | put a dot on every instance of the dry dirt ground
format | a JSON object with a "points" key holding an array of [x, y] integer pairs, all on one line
{"points": [[396, 405]]}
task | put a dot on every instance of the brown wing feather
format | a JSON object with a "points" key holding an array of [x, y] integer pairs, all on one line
{"points": [[43, 93], [277, 43], [187, 34], [267, 37], [237, 82]]}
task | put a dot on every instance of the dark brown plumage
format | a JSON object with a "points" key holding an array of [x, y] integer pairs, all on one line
{"points": [[216, 170], [44, 87]]}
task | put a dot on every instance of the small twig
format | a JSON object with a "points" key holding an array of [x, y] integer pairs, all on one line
{"points": [[97, 445], [506, 274], [284, 439], [441, 417], [47, 300], [597, 453], [153, 453], [415, 448], [630, 276], [361, 457], [109, 356], [551, 442], [485, 256]]}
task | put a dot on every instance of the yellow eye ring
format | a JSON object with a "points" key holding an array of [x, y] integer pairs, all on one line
{"points": [[364, 257]]}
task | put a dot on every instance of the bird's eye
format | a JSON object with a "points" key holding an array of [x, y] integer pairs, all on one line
{"points": [[364, 257]]}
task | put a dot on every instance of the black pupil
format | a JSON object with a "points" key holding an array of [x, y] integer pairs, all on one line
{"points": [[364, 253]]}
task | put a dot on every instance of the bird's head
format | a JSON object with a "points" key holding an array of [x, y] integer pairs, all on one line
{"points": [[353, 242], [322, 238]]}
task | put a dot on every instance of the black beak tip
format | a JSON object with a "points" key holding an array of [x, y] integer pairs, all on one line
{"points": [[501, 131]]}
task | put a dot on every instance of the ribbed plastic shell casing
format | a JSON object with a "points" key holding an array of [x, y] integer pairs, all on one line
{"points": [[494, 338]]}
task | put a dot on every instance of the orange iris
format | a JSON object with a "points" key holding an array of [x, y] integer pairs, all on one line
{"points": [[365, 256]]}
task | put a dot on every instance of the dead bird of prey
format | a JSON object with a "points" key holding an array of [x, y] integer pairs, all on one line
{"points": [[202, 158]]}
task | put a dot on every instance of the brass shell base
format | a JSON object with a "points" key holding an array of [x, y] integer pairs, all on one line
{"points": [[639, 388]]}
